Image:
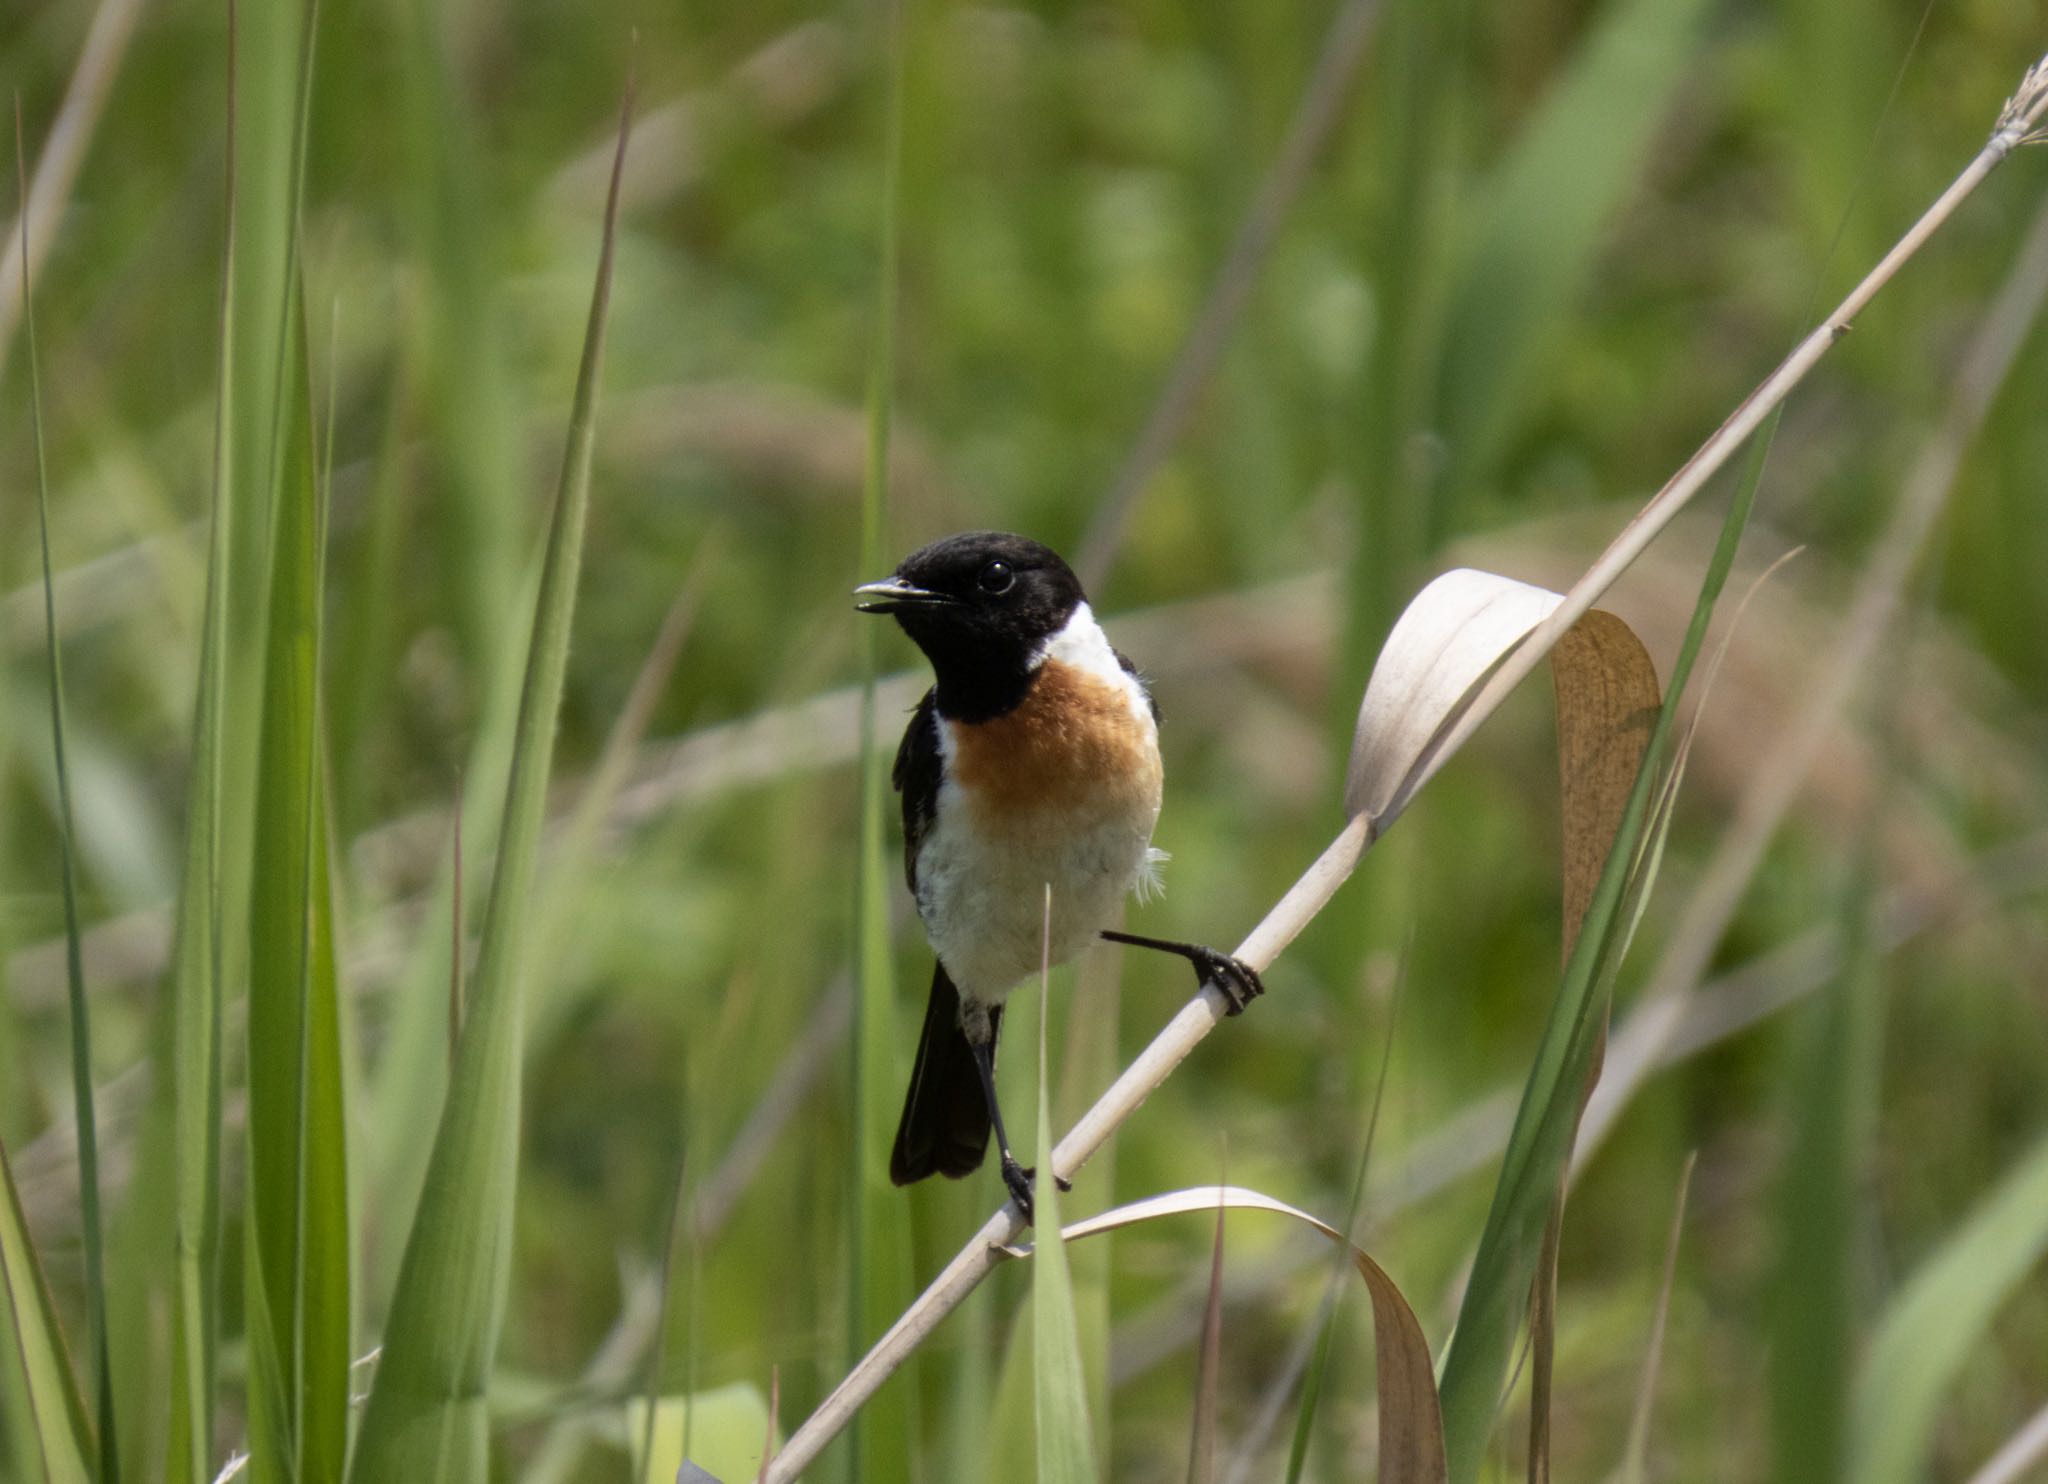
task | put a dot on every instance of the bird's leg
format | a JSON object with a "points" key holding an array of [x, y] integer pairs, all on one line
{"points": [[1238, 980], [1016, 1178]]}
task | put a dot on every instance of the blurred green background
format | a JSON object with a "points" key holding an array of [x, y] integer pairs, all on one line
{"points": [[1545, 248]]}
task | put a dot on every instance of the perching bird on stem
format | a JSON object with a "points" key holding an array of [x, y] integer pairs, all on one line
{"points": [[1033, 761]]}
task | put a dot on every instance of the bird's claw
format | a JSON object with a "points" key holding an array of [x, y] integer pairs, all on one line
{"points": [[1238, 980], [1019, 1180]]}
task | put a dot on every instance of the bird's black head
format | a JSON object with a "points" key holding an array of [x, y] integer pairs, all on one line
{"points": [[981, 606]]}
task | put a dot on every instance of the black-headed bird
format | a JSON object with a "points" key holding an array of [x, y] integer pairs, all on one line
{"points": [[1032, 762]]}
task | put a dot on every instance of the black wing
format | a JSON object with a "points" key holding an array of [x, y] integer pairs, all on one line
{"points": [[916, 777], [1135, 674]]}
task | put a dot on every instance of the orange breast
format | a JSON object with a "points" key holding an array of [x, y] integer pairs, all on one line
{"points": [[1075, 742]]}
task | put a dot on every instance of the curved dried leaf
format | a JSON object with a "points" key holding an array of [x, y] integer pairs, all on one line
{"points": [[1607, 703], [1411, 1429], [1448, 640]]}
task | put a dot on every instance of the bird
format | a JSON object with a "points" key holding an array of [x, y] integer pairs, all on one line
{"points": [[1032, 763]]}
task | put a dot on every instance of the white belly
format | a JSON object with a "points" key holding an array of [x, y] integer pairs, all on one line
{"points": [[982, 893]]}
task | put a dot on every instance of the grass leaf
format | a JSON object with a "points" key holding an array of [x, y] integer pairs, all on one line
{"points": [[1813, 1325], [427, 1417], [1938, 1320], [97, 1351], [196, 990], [60, 1430], [877, 1250], [298, 1242], [1543, 215], [1066, 1451]]}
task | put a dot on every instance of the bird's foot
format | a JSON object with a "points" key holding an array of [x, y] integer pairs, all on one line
{"points": [[1020, 1180], [1238, 980]]}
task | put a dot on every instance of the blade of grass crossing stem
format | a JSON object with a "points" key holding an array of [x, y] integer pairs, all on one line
{"points": [[297, 1246], [1088, 1063], [1937, 1322], [59, 1430], [1066, 1448], [878, 1254], [428, 1418], [98, 1357], [1606, 690], [1476, 1365], [1812, 1316]]}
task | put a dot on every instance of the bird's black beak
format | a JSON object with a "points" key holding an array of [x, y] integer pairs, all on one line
{"points": [[892, 595]]}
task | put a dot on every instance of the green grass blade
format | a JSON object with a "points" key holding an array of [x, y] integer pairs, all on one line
{"points": [[1413, 98], [296, 1247], [1476, 1366], [1066, 1449], [878, 1252], [1938, 1321], [457, 341], [1543, 217], [269, 121], [1813, 1313], [458, 421], [298, 1194], [195, 962], [99, 1356], [427, 1417], [60, 1431]]}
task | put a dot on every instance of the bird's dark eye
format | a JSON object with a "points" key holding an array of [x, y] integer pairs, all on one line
{"points": [[997, 577]]}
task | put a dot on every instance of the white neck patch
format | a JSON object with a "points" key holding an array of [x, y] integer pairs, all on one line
{"points": [[1082, 644]]}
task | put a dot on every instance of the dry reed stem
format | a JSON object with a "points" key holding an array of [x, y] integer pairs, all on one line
{"points": [[2021, 115]]}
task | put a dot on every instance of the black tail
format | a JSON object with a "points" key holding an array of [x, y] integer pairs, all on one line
{"points": [[945, 1115]]}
